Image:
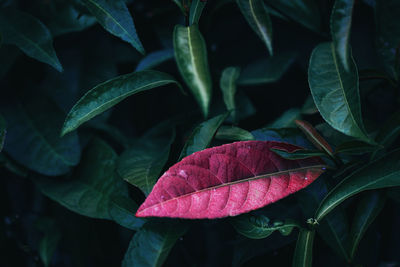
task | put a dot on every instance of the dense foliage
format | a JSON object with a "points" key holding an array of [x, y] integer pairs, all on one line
{"points": [[99, 98]]}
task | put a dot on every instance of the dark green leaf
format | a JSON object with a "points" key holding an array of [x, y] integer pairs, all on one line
{"points": [[305, 12], [228, 86], [311, 133], [110, 93], [288, 135], [266, 70], [258, 18], [259, 226], [34, 125], [303, 251], [287, 119], [381, 173], [202, 135], [335, 91], [309, 107], [191, 58], [2, 132], [367, 210], [233, 133], [196, 9], [114, 16], [389, 131], [340, 29], [299, 154], [141, 164], [388, 34], [95, 190], [49, 241], [154, 59], [30, 35], [151, 245], [354, 148]]}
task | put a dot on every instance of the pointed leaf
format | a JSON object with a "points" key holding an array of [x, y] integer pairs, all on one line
{"points": [[30, 35], [95, 190], [340, 29], [196, 8], [33, 124], [154, 59], [233, 133], [141, 164], [202, 135], [298, 154], [258, 18], [303, 251], [382, 173], [110, 93], [191, 58], [259, 226], [228, 180], [266, 70], [314, 137], [228, 86], [2, 132], [151, 245], [48, 243], [305, 12], [335, 91], [367, 210], [114, 16]]}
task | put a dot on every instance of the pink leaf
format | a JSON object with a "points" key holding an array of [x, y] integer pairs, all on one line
{"points": [[229, 180]]}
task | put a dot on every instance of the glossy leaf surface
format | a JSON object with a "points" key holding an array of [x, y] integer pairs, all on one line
{"points": [[110, 93], [367, 210], [191, 58], [233, 133], [141, 164], [196, 8], [30, 35], [33, 124], [381, 173], [95, 190], [202, 135], [228, 180], [258, 18], [151, 245], [154, 59], [340, 29], [259, 226], [114, 16], [304, 248], [335, 91], [264, 71]]}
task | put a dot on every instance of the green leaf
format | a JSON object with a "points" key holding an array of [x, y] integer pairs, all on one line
{"points": [[367, 210], [2, 132], [287, 119], [390, 131], [95, 190], [259, 226], [298, 154], [388, 34], [303, 251], [266, 70], [340, 30], [141, 164], [34, 125], [110, 93], [114, 16], [382, 173], [336, 92], [30, 35], [196, 9], [191, 58], [154, 59], [354, 148], [288, 135], [151, 245], [202, 135], [309, 107], [233, 133], [258, 18], [305, 12], [49, 242], [228, 86]]}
